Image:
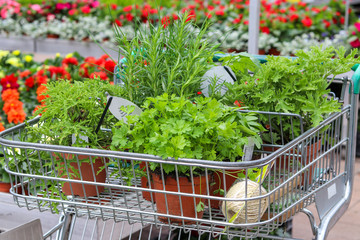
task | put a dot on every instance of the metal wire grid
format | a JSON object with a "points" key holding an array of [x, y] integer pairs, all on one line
{"points": [[125, 203]]}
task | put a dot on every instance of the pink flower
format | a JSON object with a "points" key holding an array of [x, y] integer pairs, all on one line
{"points": [[50, 17], [357, 25], [307, 22], [36, 7], [3, 13], [95, 4]]}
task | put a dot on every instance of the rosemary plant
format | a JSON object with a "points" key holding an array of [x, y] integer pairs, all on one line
{"points": [[169, 58]]}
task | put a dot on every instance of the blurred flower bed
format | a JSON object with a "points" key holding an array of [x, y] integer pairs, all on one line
{"points": [[280, 21], [22, 80]]}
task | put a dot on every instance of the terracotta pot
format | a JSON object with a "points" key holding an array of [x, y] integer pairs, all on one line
{"points": [[173, 201], [87, 174], [262, 52], [274, 51], [149, 196], [5, 187], [284, 161], [53, 36]]}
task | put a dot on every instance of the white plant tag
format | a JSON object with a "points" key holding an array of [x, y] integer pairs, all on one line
{"points": [[82, 137], [222, 74], [117, 103], [248, 150]]}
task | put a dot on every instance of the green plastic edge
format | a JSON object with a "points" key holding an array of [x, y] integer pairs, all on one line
{"points": [[356, 78]]}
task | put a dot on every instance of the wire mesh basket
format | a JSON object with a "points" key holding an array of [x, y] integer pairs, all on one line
{"points": [[250, 198]]}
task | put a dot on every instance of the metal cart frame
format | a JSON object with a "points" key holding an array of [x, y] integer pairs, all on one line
{"points": [[321, 172]]}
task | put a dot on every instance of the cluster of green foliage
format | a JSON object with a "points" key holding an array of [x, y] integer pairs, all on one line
{"points": [[291, 85], [175, 127], [75, 108], [165, 59]]}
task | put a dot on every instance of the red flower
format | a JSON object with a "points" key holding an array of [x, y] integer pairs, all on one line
{"points": [[59, 72], [9, 82], [342, 20], [191, 15], [246, 22], [236, 21], [113, 6], [90, 60], [24, 73], [210, 7], [101, 75], [355, 44], [302, 4], [83, 70], [315, 10], [153, 11], [208, 15], [40, 92], [127, 8], [2, 128], [129, 17], [175, 16], [265, 30], [29, 82], [118, 22], [199, 93], [338, 13], [239, 6], [72, 12], [86, 9], [238, 103], [165, 21], [292, 8], [110, 65], [220, 13], [70, 61], [293, 17], [40, 80], [307, 22], [327, 23]]}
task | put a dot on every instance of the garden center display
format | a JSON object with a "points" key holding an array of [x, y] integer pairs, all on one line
{"points": [[157, 137]]}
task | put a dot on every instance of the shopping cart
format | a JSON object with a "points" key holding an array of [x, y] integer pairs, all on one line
{"points": [[287, 176]]}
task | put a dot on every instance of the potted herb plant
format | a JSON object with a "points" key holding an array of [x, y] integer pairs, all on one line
{"points": [[291, 85], [4, 176], [70, 115], [174, 127], [170, 58]]}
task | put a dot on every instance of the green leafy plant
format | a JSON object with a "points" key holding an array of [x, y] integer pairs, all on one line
{"points": [[69, 117], [75, 109], [174, 127], [170, 58], [4, 176], [298, 86]]}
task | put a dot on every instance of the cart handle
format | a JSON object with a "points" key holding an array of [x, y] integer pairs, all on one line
{"points": [[262, 58]]}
